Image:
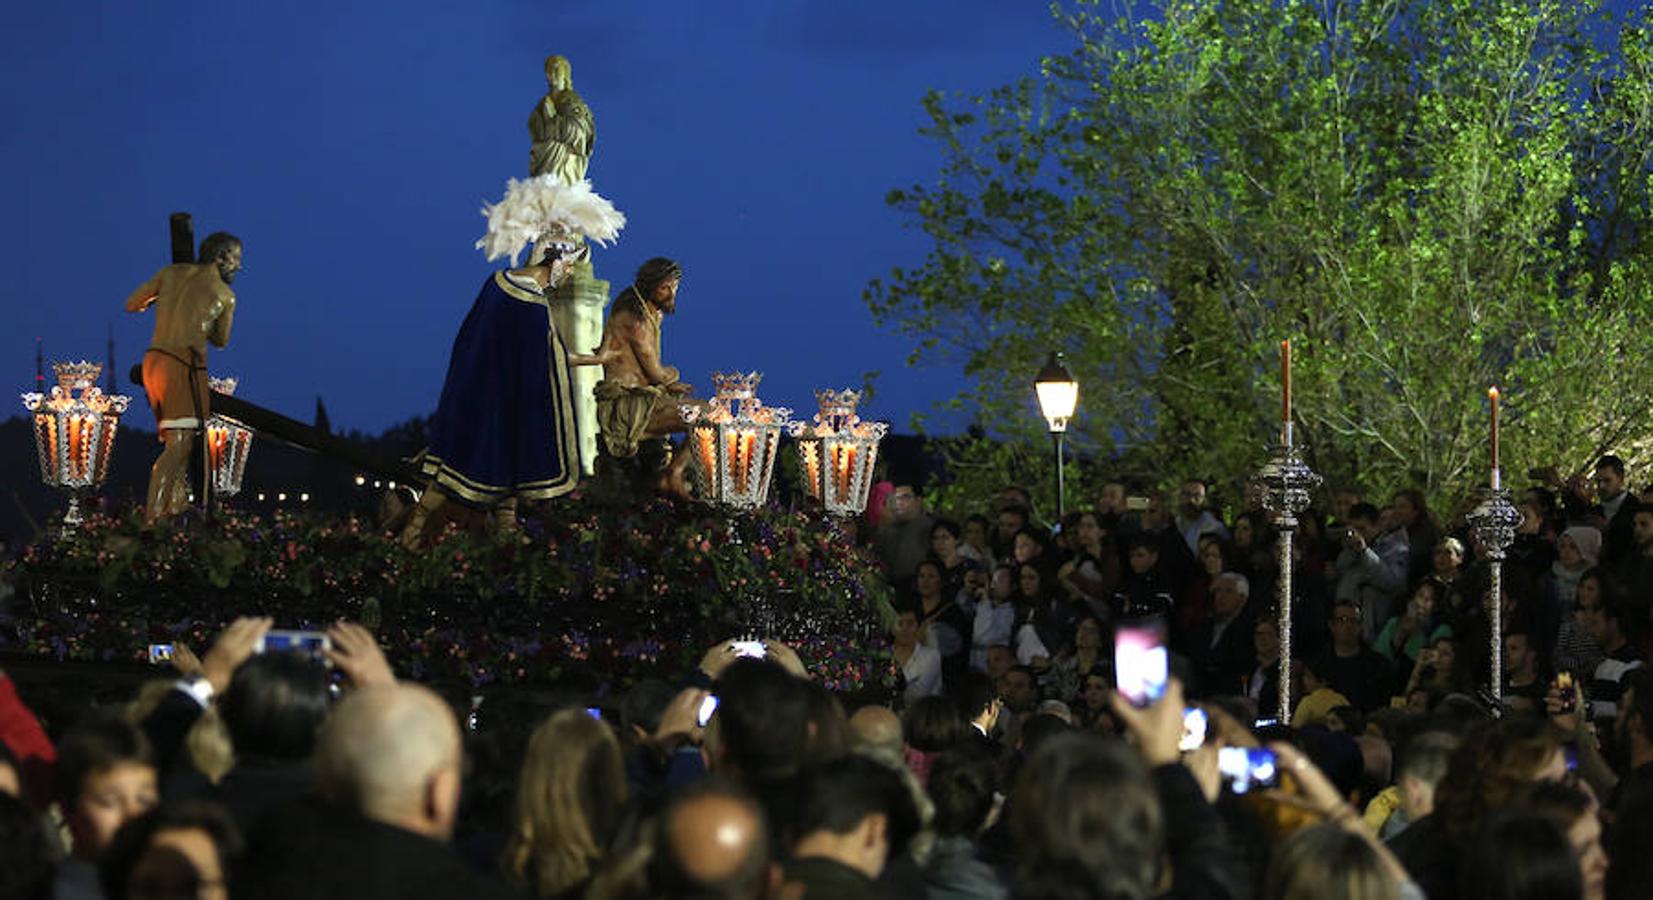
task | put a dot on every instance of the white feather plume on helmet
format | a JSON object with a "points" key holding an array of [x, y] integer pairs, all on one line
{"points": [[547, 210]]}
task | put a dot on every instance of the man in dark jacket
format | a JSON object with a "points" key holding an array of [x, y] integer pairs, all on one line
{"points": [[854, 815], [1222, 646], [388, 766]]}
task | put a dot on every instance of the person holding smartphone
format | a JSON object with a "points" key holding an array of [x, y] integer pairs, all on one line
{"points": [[1371, 567]]}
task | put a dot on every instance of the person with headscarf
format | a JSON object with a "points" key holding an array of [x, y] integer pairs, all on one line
{"points": [[1577, 551]]}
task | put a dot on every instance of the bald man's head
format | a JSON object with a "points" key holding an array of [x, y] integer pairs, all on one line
{"points": [[877, 728], [393, 754], [712, 842]]}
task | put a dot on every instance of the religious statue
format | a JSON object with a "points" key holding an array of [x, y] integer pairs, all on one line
{"points": [[561, 127], [504, 428], [641, 398], [193, 305], [563, 135]]}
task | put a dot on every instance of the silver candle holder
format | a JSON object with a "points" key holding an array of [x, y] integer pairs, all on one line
{"points": [[1492, 523], [1287, 484]]}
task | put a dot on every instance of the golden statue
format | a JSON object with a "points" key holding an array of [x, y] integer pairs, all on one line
{"points": [[561, 127]]}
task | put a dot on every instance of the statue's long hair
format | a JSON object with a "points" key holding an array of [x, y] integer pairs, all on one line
{"points": [[654, 273]]}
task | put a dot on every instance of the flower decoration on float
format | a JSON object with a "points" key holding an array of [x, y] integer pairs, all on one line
{"points": [[734, 440], [837, 452], [228, 444], [74, 432]]}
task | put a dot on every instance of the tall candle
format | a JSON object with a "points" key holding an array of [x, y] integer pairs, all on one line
{"points": [[1492, 396], [1285, 381]]}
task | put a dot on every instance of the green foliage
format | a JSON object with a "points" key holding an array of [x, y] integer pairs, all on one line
{"points": [[616, 588], [1426, 198]]}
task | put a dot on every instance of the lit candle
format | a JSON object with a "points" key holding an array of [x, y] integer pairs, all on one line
{"points": [[1492, 396], [840, 481], [812, 464], [77, 446]]}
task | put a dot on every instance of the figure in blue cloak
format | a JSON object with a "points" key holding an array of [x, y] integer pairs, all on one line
{"points": [[505, 428]]}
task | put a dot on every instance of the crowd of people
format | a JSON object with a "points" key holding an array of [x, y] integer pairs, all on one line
{"points": [[1004, 763], [1390, 629]]}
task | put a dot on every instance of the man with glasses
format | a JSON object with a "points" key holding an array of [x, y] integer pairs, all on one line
{"points": [[1350, 666]]}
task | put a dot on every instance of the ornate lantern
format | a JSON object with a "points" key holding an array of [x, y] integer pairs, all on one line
{"points": [[228, 443], [734, 440], [74, 432], [837, 452]]}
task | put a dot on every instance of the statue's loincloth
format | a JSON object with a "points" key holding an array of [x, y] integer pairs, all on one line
{"points": [[168, 379], [624, 413]]}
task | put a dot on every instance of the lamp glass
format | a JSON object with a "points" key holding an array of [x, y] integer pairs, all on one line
{"points": [[1058, 393]]}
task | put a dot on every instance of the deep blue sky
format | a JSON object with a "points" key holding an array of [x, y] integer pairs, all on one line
{"points": [[351, 144]]}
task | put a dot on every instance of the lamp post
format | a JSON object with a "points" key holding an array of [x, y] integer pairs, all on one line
{"points": [[1058, 395]]}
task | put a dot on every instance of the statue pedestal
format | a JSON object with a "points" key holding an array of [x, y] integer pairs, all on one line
{"points": [[577, 310]]}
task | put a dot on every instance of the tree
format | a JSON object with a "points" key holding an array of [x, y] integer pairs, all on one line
{"points": [[1427, 198]]}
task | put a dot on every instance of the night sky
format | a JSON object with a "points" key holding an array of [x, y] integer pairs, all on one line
{"points": [[352, 144]]}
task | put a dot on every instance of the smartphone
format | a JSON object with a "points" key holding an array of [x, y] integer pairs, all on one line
{"points": [[1244, 768], [1265, 723], [160, 653], [707, 707], [1141, 665], [595, 712], [1194, 722], [1136, 504], [1569, 692], [754, 649], [311, 642]]}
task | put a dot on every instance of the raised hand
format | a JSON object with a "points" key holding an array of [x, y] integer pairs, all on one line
{"points": [[355, 653], [231, 649]]}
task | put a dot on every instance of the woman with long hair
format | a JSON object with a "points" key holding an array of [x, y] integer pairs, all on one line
{"points": [[1486, 774], [569, 802], [1092, 572], [1044, 620], [1423, 534], [1576, 648], [948, 549], [1421, 625], [1328, 862], [944, 626]]}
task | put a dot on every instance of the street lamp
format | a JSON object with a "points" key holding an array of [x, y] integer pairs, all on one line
{"points": [[1058, 395]]}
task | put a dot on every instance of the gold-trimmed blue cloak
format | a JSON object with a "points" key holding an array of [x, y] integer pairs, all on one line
{"points": [[505, 424]]}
